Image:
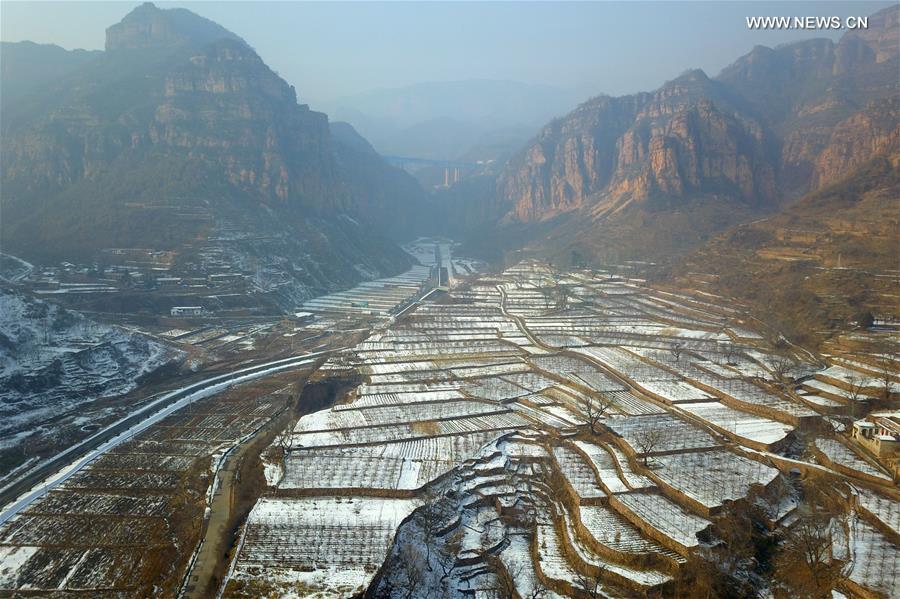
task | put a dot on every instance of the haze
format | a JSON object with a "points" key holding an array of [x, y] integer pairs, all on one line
{"points": [[329, 50]]}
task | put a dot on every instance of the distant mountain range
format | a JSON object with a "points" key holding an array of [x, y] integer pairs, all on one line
{"points": [[651, 176], [178, 133], [178, 130], [477, 119]]}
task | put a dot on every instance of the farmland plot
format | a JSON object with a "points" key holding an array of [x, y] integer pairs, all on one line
{"points": [[578, 473], [876, 561], [841, 455], [665, 516], [331, 545], [674, 434], [605, 466], [744, 425], [610, 529], [712, 477]]}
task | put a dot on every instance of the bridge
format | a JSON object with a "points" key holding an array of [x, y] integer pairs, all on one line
{"points": [[452, 168], [402, 161]]}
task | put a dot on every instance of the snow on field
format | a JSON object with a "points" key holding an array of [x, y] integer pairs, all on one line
{"points": [[494, 389], [674, 391], [412, 430], [323, 470], [578, 472], [273, 473], [552, 561], [876, 560], [632, 478], [643, 577], [665, 516], [712, 477], [329, 544], [749, 426], [850, 376], [54, 360], [840, 454], [12, 558], [326, 420], [673, 433], [610, 529], [605, 466], [884, 508]]}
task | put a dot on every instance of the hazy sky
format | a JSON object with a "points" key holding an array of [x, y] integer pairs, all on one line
{"points": [[331, 49]]}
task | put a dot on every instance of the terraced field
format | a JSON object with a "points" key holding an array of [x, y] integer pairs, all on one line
{"points": [[542, 432]]}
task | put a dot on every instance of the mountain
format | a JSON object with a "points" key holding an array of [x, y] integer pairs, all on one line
{"points": [[445, 120], [652, 175], [828, 261], [55, 364], [385, 195], [27, 66], [178, 131]]}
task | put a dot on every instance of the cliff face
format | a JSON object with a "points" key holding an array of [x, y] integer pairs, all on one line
{"points": [[178, 113], [871, 132], [225, 105], [771, 127], [616, 151]]}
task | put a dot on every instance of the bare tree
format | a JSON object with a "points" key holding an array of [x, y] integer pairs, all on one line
{"points": [[887, 359], [429, 518], [805, 562], [591, 584], [730, 353], [595, 406], [448, 552], [648, 440], [410, 571], [285, 440], [854, 396], [781, 366], [676, 349], [506, 581]]}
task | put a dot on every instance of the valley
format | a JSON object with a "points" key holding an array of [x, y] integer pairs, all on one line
{"points": [[506, 345], [540, 431]]}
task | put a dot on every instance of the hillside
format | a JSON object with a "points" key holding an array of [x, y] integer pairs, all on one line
{"points": [[56, 364], [830, 261], [177, 131], [651, 175]]}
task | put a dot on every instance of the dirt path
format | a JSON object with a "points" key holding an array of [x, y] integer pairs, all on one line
{"points": [[228, 508]]}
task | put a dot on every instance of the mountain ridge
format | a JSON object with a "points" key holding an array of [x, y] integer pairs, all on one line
{"points": [[180, 129], [705, 152]]}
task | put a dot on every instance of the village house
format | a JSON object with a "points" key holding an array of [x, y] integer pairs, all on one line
{"points": [[879, 432]]}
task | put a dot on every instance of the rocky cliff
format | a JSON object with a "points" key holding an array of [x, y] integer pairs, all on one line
{"points": [[178, 128], [686, 138], [771, 127]]}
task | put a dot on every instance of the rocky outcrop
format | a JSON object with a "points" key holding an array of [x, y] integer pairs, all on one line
{"points": [[614, 151], [178, 113], [148, 27], [225, 105], [871, 132], [665, 170]]}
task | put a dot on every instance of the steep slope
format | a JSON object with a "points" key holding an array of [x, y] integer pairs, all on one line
{"points": [[178, 130], [803, 90], [652, 175], [683, 139], [55, 364], [385, 196], [829, 260]]}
